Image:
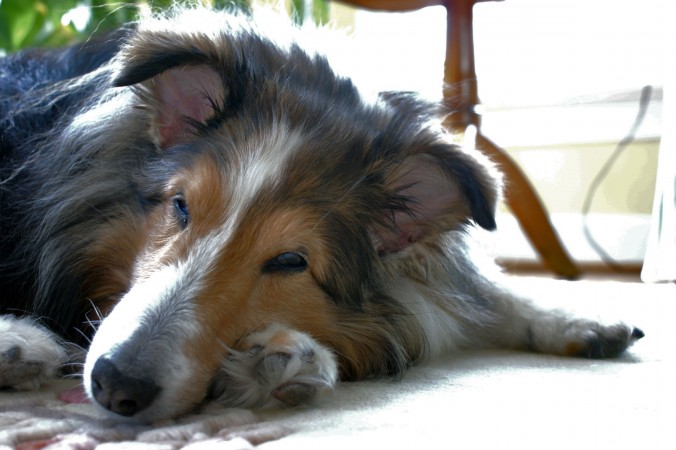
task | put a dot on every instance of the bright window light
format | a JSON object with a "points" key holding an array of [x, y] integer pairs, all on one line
{"points": [[528, 52], [78, 16]]}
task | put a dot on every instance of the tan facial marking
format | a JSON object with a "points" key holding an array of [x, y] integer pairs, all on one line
{"points": [[225, 247]]}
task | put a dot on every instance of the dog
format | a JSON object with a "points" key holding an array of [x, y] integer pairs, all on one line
{"points": [[226, 217]]}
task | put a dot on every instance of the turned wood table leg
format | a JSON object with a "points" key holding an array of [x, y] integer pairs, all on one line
{"points": [[526, 205], [461, 99]]}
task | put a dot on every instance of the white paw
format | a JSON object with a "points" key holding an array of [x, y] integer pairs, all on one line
{"points": [[29, 354], [594, 340], [275, 366]]}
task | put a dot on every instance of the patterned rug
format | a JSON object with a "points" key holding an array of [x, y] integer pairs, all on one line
{"points": [[481, 399]]}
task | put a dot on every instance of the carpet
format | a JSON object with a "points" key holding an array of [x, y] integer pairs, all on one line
{"points": [[472, 400]]}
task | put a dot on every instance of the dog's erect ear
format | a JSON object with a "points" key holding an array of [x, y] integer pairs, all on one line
{"points": [[179, 98], [439, 190], [180, 88]]}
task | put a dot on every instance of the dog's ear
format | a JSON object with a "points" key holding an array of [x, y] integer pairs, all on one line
{"points": [[176, 82], [180, 98], [440, 189]]}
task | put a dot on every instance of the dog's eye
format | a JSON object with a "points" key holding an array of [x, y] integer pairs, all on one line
{"points": [[181, 209], [286, 262]]}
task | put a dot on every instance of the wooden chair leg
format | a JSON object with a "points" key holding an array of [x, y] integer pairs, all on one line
{"points": [[522, 199], [461, 98]]}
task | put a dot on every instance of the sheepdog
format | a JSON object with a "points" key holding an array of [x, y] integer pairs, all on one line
{"points": [[214, 213]]}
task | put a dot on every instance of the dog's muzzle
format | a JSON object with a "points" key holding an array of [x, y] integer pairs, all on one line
{"points": [[119, 393]]}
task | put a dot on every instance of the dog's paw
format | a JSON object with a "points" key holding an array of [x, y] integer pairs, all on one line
{"points": [[593, 340], [29, 354], [275, 366]]}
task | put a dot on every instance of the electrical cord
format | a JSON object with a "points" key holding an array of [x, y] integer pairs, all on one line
{"points": [[607, 259]]}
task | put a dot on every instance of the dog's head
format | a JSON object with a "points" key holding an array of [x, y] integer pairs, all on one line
{"points": [[276, 195]]}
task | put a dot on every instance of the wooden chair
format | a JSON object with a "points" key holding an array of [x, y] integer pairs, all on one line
{"points": [[461, 95]]}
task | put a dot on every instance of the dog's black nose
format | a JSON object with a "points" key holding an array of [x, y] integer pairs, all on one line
{"points": [[119, 393]]}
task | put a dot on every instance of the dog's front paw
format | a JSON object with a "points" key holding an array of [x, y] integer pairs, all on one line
{"points": [[29, 354], [275, 366], [593, 340]]}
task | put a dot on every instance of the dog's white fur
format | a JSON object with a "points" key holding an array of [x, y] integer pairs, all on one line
{"points": [[188, 321], [29, 353]]}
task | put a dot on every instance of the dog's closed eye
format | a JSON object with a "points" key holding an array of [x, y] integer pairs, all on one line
{"points": [[289, 262]]}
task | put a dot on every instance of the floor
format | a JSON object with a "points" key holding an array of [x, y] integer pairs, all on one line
{"points": [[472, 400]]}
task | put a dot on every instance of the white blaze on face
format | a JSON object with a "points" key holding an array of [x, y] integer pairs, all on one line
{"points": [[134, 311], [261, 164], [145, 335], [142, 336]]}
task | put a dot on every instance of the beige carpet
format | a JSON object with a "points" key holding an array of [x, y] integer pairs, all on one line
{"points": [[482, 400]]}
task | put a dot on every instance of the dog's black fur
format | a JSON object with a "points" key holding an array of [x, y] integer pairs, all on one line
{"points": [[162, 176], [33, 108]]}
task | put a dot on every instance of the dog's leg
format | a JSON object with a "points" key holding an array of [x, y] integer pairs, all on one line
{"points": [[29, 354], [273, 366], [521, 324]]}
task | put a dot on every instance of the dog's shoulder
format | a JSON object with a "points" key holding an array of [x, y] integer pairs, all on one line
{"points": [[25, 70], [36, 88]]}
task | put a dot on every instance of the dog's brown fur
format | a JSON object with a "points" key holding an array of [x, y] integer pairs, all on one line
{"points": [[247, 224]]}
